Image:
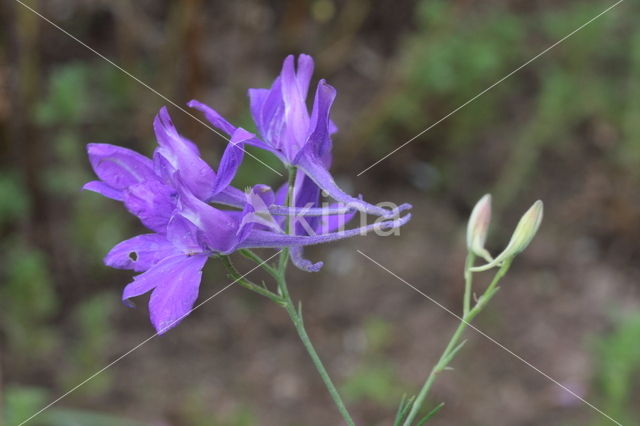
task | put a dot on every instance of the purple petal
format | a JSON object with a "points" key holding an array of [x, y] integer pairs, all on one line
{"points": [[278, 207], [280, 198], [271, 120], [333, 209], [305, 71], [266, 239], [246, 224], [256, 211], [183, 156], [213, 117], [119, 167], [265, 193], [296, 116], [161, 272], [319, 140], [231, 159], [337, 221], [218, 228], [302, 263], [184, 235], [103, 189], [306, 192], [152, 202], [168, 137], [307, 195], [230, 196], [316, 171], [163, 168], [281, 194], [332, 127], [140, 253], [257, 99], [280, 113], [176, 292]]}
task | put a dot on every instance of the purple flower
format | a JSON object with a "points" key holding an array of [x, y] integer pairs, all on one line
{"points": [[171, 263], [172, 194], [147, 187], [296, 137], [307, 197], [129, 177], [175, 154]]}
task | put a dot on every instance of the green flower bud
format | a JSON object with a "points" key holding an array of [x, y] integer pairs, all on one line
{"points": [[521, 238]]}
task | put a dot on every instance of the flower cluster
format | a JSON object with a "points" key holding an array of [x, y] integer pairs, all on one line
{"points": [[196, 213], [478, 227]]}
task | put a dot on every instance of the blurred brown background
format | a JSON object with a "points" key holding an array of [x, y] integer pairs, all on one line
{"points": [[565, 129]]}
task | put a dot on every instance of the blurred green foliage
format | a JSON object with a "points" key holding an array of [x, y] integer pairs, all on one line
{"points": [[375, 379], [63, 111], [29, 297], [14, 202], [67, 100], [22, 402], [195, 410], [618, 371], [442, 65], [89, 351], [453, 57], [29, 305]]}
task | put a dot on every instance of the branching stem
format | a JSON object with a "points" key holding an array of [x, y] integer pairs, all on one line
{"points": [[454, 345], [284, 299]]}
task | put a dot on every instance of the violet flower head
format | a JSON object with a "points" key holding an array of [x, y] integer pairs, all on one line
{"points": [[194, 213], [287, 129]]}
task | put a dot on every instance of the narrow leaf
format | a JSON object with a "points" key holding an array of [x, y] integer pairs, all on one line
{"points": [[432, 413], [403, 409], [454, 352]]}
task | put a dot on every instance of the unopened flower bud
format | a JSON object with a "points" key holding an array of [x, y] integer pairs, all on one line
{"points": [[526, 229], [478, 227], [521, 238]]}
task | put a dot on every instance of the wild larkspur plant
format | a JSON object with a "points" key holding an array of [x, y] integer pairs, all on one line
{"points": [[195, 213], [477, 231]]}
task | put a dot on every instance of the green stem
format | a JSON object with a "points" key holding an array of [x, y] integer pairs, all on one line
{"points": [[261, 262], [496, 279], [453, 346], [298, 323], [296, 315], [226, 260], [284, 299], [468, 280]]}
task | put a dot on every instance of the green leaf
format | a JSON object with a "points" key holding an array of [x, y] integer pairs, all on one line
{"points": [[432, 413], [453, 353], [403, 408]]}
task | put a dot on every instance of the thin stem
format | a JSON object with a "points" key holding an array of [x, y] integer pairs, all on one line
{"points": [[284, 254], [296, 317], [496, 279], [298, 323], [468, 282], [226, 260], [290, 196], [453, 346], [260, 261], [440, 366]]}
